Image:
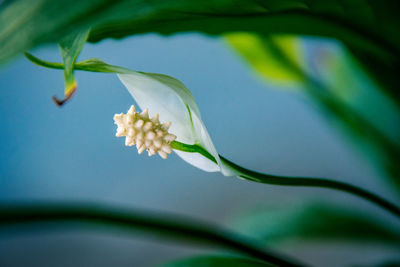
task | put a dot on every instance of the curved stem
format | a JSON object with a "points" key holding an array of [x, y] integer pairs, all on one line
{"points": [[166, 226], [97, 66], [91, 65], [313, 182], [293, 181], [43, 63]]}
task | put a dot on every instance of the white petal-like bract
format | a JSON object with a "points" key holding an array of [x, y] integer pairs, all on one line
{"points": [[174, 103]]}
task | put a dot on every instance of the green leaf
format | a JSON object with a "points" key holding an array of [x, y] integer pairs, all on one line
{"points": [[316, 222], [368, 28], [387, 263], [377, 130], [278, 64], [70, 47], [167, 226], [367, 25], [217, 261], [341, 89]]}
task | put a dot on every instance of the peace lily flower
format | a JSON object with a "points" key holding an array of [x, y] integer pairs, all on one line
{"points": [[168, 97], [161, 94], [176, 106]]}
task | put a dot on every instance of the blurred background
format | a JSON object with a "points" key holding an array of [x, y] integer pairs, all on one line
{"points": [[71, 153]]}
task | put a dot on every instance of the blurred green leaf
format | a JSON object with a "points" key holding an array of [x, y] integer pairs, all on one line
{"points": [[387, 263], [70, 47], [269, 63], [341, 89], [216, 261], [369, 26], [333, 66], [353, 90], [168, 226], [316, 222]]}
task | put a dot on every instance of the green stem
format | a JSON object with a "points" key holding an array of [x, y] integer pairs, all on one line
{"points": [[43, 63], [193, 149], [166, 226], [93, 65], [293, 181]]}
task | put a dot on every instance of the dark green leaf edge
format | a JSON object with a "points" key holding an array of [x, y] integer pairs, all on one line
{"points": [[167, 226], [316, 222], [215, 261]]}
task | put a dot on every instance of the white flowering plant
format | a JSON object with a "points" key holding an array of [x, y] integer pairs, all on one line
{"points": [[170, 120], [167, 119]]}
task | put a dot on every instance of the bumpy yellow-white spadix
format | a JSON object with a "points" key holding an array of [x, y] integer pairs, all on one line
{"points": [[144, 132]]}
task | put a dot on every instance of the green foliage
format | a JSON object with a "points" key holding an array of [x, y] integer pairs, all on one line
{"points": [[278, 59], [211, 261], [368, 29], [341, 90], [316, 222], [70, 47], [369, 26], [167, 226]]}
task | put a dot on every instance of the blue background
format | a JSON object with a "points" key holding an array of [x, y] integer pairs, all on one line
{"points": [[71, 153]]}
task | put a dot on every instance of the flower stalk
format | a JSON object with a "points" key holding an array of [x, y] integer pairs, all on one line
{"points": [[224, 165], [142, 131], [294, 181]]}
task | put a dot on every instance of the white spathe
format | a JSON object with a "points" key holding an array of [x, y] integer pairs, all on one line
{"points": [[174, 102]]}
